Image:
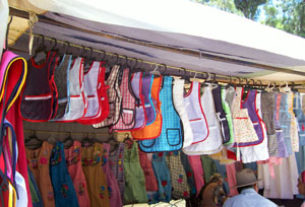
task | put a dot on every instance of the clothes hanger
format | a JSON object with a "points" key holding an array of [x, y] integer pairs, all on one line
{"points": [[128, 141], [155, 71], [270, 87], [33, 142], [68, 142], [40, 50], [285, 88], [87, 142], [230, 84]]}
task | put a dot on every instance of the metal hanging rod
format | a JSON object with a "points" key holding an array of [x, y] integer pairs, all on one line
{"points": [[184, 51], [62, 132]]}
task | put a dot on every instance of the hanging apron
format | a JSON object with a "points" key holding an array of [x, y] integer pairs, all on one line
{"points": [[268, 110], [64, 191], [114, 99], [150, 178], [181, 109], [180, 188], [95, 176], [170, 138], [227, 109], [195, 112], [61, 78], [197, 169], [250, 104], [221, 115], [135, 191], [293, 124], [136, 84], [93, 86], [300, 116], [38, 162], [150, 103], [285, 122], [128, 112], [281, 146], [189, 174], [74, 164], [162, 173], [38, 99], [153, 130], [213, 142], [78, 98]]}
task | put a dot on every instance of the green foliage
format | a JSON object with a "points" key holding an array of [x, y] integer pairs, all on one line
{"points": [[225, 5], [249, 7]]}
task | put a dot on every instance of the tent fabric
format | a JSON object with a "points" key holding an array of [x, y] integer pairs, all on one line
{"points": [[3, 25]]}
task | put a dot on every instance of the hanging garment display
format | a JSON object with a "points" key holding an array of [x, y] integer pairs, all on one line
{"points": [[196, 166], [135, 191], [74, 164], [4, 13], [150, 103], [285, 121], [163, 177], [195, 112], [179, 104], [78, 100], [227, 109], [294, 136], [128, 112], [150, 178], [114, 98], [116, 163], [213, 142], [268, 109], [37, 99], [98, 108], [136, 84], [170, 138], [95, 176], [61, 78], [281, 146], [180, 188], [189, 174], [113, 187], [209, 167], [64, 191], [38, 160], [221, 115], [300, 116], [153, 130], [35, 194]]}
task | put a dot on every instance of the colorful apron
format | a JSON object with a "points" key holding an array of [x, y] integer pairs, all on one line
{"points": [[113, 187], [95, 176], [150, 178], [136, 85], [150, 104], [114, 99], [197, 169], [189, 174], [61, 78], [64, 191], [227, 109], [135, 191], [38, 98], [285, 121], [179, 104], [74, 164], [153, 130], [300, 117], [171, 134], [293, 124], [38, 162], [128, 109], [195, 112], [35, 194]]}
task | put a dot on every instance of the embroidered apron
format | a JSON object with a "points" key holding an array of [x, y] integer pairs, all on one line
{"points": [[61, 78], [195, 112], [136, 84], [38, 98], [268, 110], [213, 142], [221, 115], [113, 187], [95, 176], [114, 98], [78, 98], [135, 191], [150, 103], [180, 188], [227, 109], [153, 130], [38, 162], [116, 164], [73, 160], [171, 135], [163, 177], [300, 117], [128, 112], [285, 121], [150, 179], [181, 109], [64, 191]]}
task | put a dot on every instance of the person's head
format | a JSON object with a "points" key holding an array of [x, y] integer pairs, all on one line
{"points": [[301, 183], [246, 179]]}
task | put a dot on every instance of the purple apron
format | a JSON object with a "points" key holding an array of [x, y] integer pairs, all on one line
{"points": [[149, 104]]}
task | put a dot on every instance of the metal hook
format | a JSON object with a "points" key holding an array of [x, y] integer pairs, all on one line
{"points": [[165, 68]]}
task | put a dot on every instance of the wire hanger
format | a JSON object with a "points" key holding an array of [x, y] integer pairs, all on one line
{"points": [[155, 71]]}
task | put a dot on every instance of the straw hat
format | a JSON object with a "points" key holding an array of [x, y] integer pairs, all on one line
{"points": [[245, 177]]}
